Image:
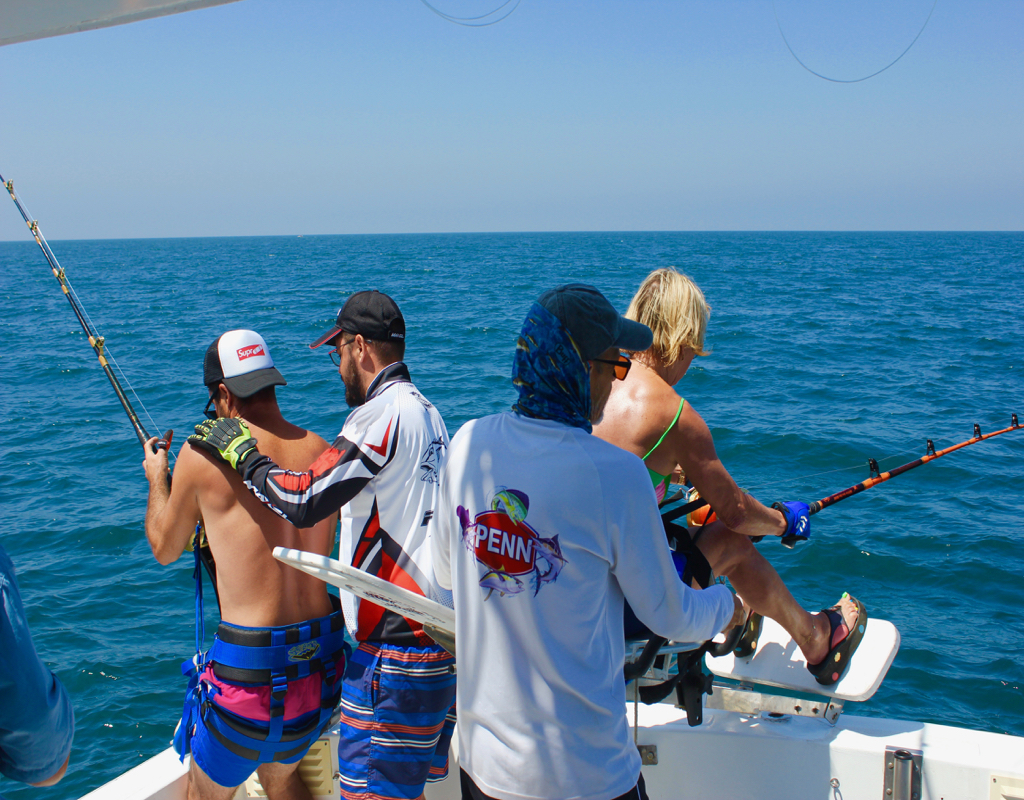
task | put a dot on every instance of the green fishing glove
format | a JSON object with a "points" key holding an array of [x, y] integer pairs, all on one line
{"points": [[226, 438]]}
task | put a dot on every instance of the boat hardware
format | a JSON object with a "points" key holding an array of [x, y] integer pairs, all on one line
{"points": [[648, 754], [902, 774], [744, 699]]}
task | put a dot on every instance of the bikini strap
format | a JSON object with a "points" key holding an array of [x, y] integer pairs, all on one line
{"points": [[670, 427]]}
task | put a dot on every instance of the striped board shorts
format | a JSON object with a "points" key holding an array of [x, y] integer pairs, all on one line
{"points": [[397, 720]]}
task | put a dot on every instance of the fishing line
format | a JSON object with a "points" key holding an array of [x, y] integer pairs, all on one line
{"points": [[799, 478], [109, 364], [855, 80], [472, 22], [98, 343]]}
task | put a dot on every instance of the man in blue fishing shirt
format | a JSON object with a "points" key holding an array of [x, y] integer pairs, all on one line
{"points": [[37, 723]]}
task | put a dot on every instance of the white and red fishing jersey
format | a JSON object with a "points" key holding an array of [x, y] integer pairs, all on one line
{"points": [[383, 473]]}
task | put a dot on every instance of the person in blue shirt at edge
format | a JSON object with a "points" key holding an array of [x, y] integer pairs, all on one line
{"points": [[382, 472], [646, 416], [37, 722], [266, 689]]}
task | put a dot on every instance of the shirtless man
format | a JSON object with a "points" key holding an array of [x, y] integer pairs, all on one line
{"points": [[280, 629], [646, 416]]}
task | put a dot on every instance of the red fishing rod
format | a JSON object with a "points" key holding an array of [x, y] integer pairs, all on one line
{"points": [[931, 454], [876, 478]]}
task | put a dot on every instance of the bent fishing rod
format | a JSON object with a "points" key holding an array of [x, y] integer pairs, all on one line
{"points": [[98, 343], [99, 346], [876, 478]]}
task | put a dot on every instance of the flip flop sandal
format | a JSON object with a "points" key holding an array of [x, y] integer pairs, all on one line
{"points": [[831, 668], [747, 643]]}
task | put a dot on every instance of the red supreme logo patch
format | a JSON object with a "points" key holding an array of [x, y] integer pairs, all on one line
{"points": [[250, 351]]}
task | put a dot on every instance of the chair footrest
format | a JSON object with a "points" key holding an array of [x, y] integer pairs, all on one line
{"points": [[778, 662]]}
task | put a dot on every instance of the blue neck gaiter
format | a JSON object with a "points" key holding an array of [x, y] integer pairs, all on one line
{"points": [[549, 373]]}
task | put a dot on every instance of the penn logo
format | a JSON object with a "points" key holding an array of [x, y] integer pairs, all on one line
{"points": [[250, 351], [513, 555]]}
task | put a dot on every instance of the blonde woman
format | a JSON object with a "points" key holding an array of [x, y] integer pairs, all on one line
{"points": [[646, 416]]}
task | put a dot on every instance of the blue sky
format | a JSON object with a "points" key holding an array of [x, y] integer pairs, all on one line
{"points": [[346, 116]]}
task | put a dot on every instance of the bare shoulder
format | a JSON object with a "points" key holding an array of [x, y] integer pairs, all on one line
{"points": [[690, 429]]}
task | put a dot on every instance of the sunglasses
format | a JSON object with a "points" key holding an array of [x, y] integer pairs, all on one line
{"points": [[211, 413], [622, 365], [335, 355]]}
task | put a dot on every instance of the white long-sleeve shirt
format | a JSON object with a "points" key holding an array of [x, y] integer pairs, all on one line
{"points": [[541, 530]]}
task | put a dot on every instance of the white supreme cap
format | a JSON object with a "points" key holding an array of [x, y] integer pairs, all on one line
{"points": [[241, 361]]}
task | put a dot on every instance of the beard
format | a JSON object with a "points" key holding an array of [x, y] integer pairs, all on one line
{"points": [[354, 394]]}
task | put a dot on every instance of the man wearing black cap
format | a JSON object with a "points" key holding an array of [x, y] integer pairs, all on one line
{"points": [[382, 472], [250, 706], [542, 531]]}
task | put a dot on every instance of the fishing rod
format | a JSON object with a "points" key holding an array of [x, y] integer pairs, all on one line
{"points": [[98, 344], [876, 478]]}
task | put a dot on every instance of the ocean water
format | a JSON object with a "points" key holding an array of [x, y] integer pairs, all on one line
{"points": [[828, 349]]}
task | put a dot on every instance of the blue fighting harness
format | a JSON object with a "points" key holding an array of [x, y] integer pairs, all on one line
{"points": [[260, 656]]}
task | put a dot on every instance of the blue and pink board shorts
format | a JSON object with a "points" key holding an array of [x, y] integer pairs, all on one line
{"points": [[266, 694], [397, 720]]}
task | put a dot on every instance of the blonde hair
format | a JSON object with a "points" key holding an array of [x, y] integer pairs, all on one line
{"points": [[673, 307]]}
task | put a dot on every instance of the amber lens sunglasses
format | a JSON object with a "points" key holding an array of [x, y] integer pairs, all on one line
{"points": [[621, 366]]}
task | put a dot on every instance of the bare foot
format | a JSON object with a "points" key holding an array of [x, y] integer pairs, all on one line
{"points": [[820, 644]]}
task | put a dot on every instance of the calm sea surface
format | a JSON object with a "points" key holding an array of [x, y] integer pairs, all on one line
{"points": [[828, 349]]}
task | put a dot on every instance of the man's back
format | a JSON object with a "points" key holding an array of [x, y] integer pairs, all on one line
{"points": [[255, 589]]}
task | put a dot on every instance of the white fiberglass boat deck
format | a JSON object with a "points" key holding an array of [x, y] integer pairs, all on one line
{"points": [[731, 755], [769, 731]]}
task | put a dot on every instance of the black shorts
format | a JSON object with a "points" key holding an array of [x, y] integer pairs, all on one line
{"points": [[470, 791]]}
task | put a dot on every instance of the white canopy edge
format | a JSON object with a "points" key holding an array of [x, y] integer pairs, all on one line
{"points": [[25, 20]]}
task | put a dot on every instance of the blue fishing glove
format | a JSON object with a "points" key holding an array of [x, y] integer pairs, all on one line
{"points": [[798, 522], [226, 438]]}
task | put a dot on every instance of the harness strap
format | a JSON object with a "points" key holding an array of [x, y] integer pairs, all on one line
{"points": [[195, 693], [298, 660]]}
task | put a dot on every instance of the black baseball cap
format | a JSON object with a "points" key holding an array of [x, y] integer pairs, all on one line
{"points": [[593, 322], [241, 361], [371, 313]]}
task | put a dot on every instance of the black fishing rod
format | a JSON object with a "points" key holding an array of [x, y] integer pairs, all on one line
{"points": [[99, 346], [876, 478]]}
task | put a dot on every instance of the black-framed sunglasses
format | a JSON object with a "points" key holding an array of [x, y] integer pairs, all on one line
{"points": [[211, 413], [622, 365], [335, 355]]}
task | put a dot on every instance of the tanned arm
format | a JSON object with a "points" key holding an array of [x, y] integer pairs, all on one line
{"points": [[737, 510], [172, 510]]}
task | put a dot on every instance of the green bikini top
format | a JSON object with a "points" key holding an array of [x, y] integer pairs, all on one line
{"points": [[660, 481]]}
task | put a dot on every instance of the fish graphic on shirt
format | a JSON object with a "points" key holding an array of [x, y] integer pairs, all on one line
{"points": [[501, 582], [548, 561]]}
